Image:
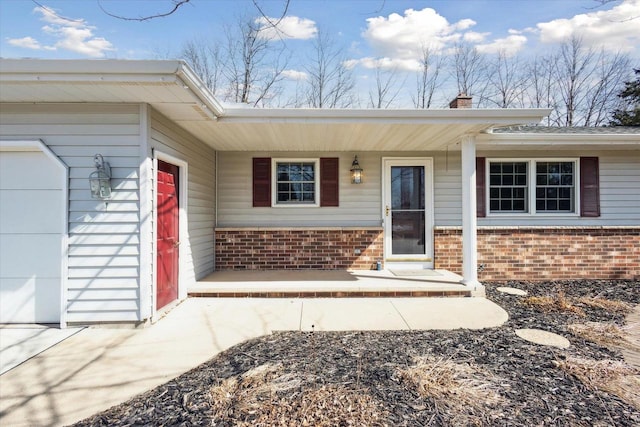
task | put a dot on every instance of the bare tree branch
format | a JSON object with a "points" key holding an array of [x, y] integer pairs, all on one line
{"points": [[53, 12], [386, 90], [330, 82], [264, 15], [176, 6]]}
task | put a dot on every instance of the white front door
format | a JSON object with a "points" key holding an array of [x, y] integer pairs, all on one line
{"points": [[408, 211]]}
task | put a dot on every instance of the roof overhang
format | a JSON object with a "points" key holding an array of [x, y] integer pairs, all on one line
{"points": [[568, 141], [174, 90]]}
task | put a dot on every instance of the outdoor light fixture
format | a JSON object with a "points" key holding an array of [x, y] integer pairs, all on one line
{"points": [[100, 180], [356, 172]]}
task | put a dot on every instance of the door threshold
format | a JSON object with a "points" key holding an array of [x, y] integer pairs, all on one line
{"points": [[426, 264]]}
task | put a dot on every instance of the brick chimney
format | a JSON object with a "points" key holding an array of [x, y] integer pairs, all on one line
{"points": [[461, 101]]}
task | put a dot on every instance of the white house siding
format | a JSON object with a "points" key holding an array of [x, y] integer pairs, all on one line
{"points": [[198, 249], [103, 262], [360, 205], [619, 190]]}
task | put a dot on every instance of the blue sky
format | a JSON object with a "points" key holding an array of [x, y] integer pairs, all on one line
{"points": [[374, 32]]}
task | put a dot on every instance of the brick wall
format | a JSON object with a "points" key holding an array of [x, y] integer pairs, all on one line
{"points": [[278, 249], [545, 253]]}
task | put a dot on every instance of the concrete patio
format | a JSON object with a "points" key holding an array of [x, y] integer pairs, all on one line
{"points": [[99, 367]]}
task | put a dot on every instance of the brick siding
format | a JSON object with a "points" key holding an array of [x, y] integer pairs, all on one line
{"points": [[545, 253], [282, 249]]}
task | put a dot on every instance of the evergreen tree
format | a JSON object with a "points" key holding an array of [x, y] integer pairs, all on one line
{"points": [[630, 95]]}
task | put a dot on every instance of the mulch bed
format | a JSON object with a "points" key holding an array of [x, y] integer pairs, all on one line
{"points": [[409, 378]]}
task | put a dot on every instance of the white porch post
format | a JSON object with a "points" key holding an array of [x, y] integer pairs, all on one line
{"points": [[469, 222]]}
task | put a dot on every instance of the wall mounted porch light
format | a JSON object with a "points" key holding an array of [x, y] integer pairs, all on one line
{"points": [[100, 179], [356, 172]]}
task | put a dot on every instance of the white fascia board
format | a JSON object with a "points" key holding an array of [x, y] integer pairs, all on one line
{"points": [[557, 139], [197, 86], [87, 66], [110, 72], [495, 117]]}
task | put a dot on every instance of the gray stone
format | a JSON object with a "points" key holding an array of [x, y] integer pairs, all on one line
{"points": [[511, 291], [538, 336]]}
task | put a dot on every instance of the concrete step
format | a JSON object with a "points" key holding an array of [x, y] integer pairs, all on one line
{"points": [[330, 294], [329, 284]]}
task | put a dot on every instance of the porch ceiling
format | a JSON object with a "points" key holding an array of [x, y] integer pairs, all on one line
{"points": [[172, 89]]}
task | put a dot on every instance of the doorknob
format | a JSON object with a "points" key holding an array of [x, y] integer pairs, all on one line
{"points": [[176, 244], [387, 210]]}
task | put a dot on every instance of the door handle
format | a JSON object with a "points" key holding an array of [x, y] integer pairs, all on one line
{"points": [[387, 209], [176, 244]]}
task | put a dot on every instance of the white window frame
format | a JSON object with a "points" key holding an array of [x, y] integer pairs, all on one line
{"points": [[274, 182], [531, 187]]}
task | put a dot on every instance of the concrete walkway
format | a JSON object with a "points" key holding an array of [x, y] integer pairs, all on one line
{"points": [[98, 367]]}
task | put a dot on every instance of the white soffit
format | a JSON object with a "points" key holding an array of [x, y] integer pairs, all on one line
{"points": [[173, 89]]}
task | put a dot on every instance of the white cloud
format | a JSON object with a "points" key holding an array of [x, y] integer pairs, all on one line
{"points": [[616, 29], [294, 75], [385, 63], [26, 43], [72, 35], [509, 45], [404, 36], [474, 37], [289, 27]]}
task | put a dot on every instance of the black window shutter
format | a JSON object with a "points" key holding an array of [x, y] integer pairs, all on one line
{"points": [[589, 187], [329, 181], [261, 182], [481, 210]]}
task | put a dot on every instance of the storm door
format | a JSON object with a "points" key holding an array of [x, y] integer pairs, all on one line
{"points": [[408, 210]]}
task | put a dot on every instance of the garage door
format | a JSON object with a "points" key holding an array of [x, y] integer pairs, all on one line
{"points": [[32, 203]]}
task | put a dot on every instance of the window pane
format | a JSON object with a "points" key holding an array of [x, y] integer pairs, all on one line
{"points": [[295, 182], [508, 186], [407, 187], [555, 187], [407, 231]]}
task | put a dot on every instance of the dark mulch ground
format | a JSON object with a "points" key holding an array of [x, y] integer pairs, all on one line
{"points": [[365, 378]]}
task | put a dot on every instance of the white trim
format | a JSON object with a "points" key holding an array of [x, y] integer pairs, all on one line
{"points": [[531, 187], [550, 139], [38, 145], [469, 215], [274, 182], [427, 259], [488, 116], [146, 188], [183, 224]]}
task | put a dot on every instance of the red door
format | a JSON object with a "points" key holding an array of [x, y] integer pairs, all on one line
{"points": [[168, 234]]}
